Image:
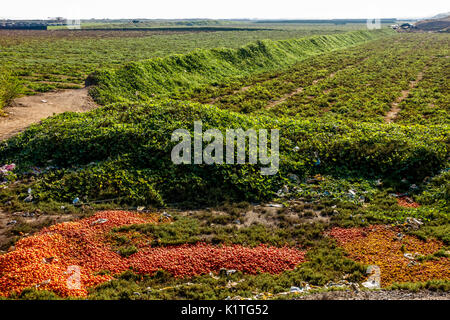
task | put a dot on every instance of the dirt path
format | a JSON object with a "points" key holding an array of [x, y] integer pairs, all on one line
{"points": [[243, 89], [316, 81], [395, 109], [284, 98], [298, 90], [32, 109]]}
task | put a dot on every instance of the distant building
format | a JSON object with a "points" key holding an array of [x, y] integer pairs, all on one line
{"points": [[32, 24], [407, 26]]}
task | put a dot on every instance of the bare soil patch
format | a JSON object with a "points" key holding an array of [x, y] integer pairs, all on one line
{"points": [[284, 98], [32, 109], [392, 114]]}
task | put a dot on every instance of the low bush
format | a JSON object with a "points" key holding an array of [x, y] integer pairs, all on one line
{"points": [[10, 88]]}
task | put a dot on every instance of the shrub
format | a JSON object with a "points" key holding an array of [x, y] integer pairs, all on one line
{"points": [[10, 88]]}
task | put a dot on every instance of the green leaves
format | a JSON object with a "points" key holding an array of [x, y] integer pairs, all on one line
{"points": [[10, 87], [123, 151], [167, 77]]}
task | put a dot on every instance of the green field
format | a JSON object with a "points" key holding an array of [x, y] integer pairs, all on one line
{"points": [[46, 60], [363, 119]]}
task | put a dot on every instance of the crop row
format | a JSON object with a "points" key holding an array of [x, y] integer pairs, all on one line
{"points": [[429, 101], [46, 60], [360, 83], [182, 75]]}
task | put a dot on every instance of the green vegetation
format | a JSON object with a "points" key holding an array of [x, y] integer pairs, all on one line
{"points": [[434, 285], [429, 101], [62, 59], [180, 76], [202, 228], [124, 150], [341, 163], [360, 83], [10, 88]]}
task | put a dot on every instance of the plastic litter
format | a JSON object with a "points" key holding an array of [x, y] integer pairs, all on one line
{"points": [[227, 272], [99, 221], [413, 223], [12, 222], [409, 256], [43, 283], [352, 193], [230, 272], [7, 168], [283, 191], [295, 290], [371, 285]]}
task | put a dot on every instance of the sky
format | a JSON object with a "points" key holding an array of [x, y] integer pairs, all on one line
{"points": [[221, 9]]}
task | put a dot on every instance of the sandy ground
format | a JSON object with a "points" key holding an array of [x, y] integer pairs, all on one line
{"points": [[32, 109], [392, 114]]}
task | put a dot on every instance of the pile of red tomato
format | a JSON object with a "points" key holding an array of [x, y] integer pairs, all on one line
{"points": [[46, 261], [42, 261], [394, 253], [407, 202], [190, 260]]}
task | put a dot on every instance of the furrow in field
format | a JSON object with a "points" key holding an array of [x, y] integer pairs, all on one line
{"points": [[392, 114]]}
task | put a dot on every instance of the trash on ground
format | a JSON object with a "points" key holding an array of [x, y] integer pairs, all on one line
{"points": [[99, 221], [371, 285], [166, 215], [12, 222], [7, 168], [413, 223]]}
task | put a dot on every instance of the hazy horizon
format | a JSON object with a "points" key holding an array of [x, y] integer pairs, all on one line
{"points": [[220, 10]]}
